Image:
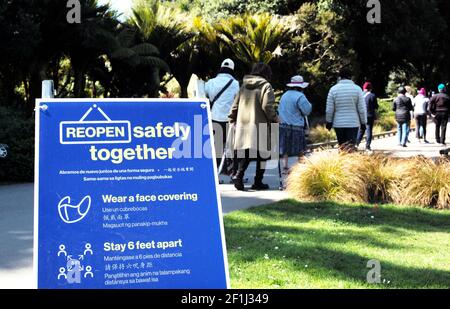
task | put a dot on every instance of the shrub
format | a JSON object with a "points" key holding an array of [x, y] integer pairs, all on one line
{"points": [[18, 133], [325, 178], [387, 123], [380, 174], [423, 182], [385, 108], [320, 134], [372, 178]]}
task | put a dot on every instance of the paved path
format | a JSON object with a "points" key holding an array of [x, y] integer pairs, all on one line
{"points": [[390, 145], [16, 210], [16, 236]]}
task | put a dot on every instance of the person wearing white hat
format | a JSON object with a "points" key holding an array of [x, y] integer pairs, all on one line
{"points": [[221, 92], [293, 109]]}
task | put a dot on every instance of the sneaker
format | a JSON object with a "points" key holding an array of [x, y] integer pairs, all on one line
{"points": [[425, 141], [404, 146], [260, 187]]}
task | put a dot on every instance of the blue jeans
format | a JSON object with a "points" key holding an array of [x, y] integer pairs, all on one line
{"points": [[369, 132], [402, 132]]}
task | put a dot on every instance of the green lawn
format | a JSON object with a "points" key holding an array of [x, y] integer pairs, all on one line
{"points": [[327, 245]]}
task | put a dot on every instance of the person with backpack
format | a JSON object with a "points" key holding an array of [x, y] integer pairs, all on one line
{"points": [[221, 92], [402, 107], [440, 110], [293, 109], [372, 107]]}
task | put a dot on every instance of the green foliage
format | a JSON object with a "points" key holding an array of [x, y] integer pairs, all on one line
{"points": [[169, 30], [386, 116], [252, 38], [214, 10], [16, 131], [317, 50]]}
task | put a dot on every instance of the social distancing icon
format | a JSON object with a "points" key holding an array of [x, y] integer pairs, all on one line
{"points": [[73, 271]]}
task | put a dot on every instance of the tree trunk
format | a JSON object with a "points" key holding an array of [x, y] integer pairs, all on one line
{"points": [[184, 91], [79, 83], [35, 92]]}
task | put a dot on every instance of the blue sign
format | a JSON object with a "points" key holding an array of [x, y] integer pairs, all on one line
{"points": [[126, 196]]}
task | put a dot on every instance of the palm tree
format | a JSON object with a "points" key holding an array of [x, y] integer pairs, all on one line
{"points": [[85, 43], [167, 29], [252, 38], [136, 66]]}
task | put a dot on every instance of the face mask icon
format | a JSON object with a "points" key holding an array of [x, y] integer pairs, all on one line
{"points": [[73, 213]]}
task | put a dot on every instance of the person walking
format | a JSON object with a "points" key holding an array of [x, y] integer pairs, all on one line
{"points": [[440, 110], [253, 112], [420, 105], [346, 111], [293, 109], [402, 107], [221, 92], [372, 107], [410, 94]]}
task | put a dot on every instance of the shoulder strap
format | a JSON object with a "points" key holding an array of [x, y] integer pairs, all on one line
{"points": [[222, 91]]}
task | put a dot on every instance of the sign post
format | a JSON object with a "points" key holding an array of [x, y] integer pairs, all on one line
{"points": [[126, 196]]}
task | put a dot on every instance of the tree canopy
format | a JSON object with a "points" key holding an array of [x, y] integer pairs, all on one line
{"points": [[171, 40]]}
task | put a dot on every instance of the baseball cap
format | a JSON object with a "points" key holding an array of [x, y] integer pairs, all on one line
{"points": [[228, 63]]}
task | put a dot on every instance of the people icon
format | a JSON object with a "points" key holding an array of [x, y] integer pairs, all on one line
{"points": [[62, 273], [62, 250], [88, 272], [74, 270], [88, 249]]}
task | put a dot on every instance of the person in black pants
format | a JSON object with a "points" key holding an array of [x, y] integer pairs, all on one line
{"points": [[254, 114], [402, 107], [440, 109], [372, 106]]}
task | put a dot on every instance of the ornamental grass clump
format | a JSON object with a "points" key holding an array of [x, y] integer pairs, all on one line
{"points": [[327, 177], [380, 174], [320, 134], [423, 182]]}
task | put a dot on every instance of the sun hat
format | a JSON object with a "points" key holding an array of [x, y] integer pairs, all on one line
{"points": [[297, 81], [228, 63]]}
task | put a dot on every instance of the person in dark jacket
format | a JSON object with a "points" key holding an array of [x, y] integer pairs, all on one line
{"points": [[440, 110], [372, 106], [402, 107]]}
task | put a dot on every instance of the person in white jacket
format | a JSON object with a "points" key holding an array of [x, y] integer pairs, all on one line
{"points": [[346, 111], [420, 104], [221, 92]]}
